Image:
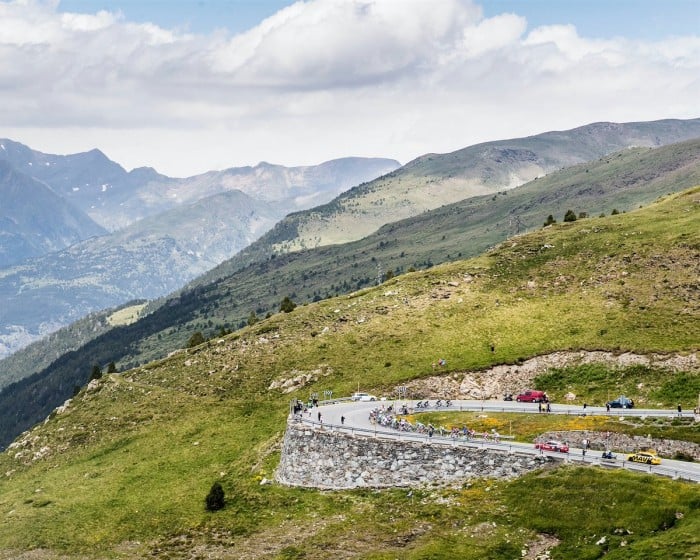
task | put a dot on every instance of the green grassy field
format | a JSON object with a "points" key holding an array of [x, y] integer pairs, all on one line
{"points": [[123, 473]]}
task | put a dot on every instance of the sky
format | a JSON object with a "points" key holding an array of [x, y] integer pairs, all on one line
{"points": [[189, 86]]}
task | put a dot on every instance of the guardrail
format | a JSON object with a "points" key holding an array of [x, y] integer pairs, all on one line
{"points": [[511, 448], [529, 408]]}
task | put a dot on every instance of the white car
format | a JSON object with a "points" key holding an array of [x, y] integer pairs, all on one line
{"points": [[363, 397]]}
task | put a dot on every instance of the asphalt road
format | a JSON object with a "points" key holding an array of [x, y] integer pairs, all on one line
{"points": [[355, 419]]}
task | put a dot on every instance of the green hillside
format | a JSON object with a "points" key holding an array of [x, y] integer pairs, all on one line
{"points": [[256, 282], [621, 182], [433, 180], [123, 472]]}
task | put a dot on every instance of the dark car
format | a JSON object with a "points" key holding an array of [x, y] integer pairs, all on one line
{"points": [[621, 402]]}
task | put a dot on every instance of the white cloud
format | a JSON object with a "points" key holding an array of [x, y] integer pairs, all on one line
{"points": [[320, 79], [341, 44], [500, 32]]}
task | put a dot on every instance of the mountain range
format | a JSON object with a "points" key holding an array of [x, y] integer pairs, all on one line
{"points": [[433, 180], [80, 234], [59, 263], [252, 284]]}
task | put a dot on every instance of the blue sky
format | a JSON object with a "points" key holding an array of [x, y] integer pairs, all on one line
{"points": [[189, 86], [646, 19]]}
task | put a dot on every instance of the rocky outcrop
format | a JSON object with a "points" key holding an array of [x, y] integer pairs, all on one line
{"points": [[320, 458], [494, 382]]}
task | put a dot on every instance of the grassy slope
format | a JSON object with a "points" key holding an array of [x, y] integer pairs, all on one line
{"points": [[125, 471], [251, 281], [433, 180]]}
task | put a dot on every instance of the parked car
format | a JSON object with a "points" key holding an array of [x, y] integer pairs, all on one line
{"points": [[621, 402], [532, 396], [363, 397], [552, 445], [648, 457]]}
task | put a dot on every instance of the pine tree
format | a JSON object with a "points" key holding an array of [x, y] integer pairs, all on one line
{"points": [[96, 372], [195, 340], [287, 305]]}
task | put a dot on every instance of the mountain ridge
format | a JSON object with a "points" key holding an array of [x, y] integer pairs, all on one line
{"points": [[30, 206], [432, 180], [59, 273]]}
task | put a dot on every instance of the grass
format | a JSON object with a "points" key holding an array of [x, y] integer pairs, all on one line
{"points": [[648, 387], [126, 469], [526, 427]]}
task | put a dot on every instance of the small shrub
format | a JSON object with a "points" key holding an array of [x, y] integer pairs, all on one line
{"points": [[215, 499], [195, 340], [287, 305]]}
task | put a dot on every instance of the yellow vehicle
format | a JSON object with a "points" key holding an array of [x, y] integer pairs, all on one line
{"points": [[648, 457]]}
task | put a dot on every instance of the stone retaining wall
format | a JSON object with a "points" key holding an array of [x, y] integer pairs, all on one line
{"points": [[320, 458]]}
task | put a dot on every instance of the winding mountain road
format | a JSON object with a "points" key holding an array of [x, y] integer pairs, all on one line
{"points": [[345, 415]]}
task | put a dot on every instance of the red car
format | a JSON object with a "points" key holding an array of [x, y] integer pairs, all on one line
{"points": [[552, 445], [532, 396]]}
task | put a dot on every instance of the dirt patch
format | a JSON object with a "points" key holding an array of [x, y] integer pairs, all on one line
{"points": [[37, 554], [540, 548]]}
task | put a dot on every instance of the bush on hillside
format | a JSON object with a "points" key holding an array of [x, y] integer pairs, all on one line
{"points": [[287, 305], [195, 340], [215, 499]]}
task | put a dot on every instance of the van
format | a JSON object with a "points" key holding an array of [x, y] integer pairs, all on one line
{"points": [[532, 396]]}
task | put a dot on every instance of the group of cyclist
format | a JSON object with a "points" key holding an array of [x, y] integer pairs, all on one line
{"points": [[387, 418]]}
